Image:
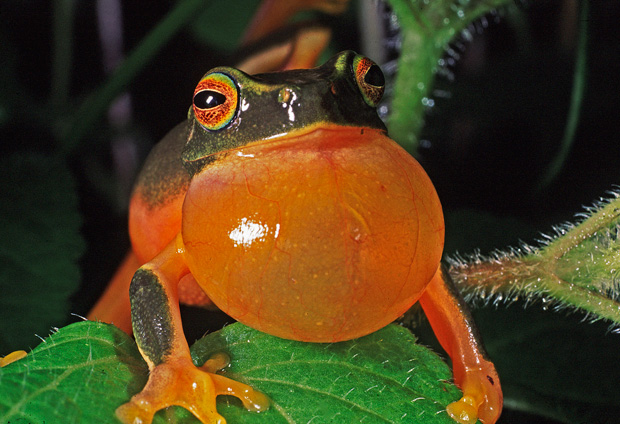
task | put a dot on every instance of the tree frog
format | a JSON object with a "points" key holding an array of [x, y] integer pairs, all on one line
{"points": [[282, 200]]}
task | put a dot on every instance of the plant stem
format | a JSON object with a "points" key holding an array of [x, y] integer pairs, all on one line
{"points": [[427, 27], [578, 268]]}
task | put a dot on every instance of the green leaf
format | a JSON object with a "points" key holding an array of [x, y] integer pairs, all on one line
{"points": [[40, 245], [80, 374], [86, 370], [383, 377]]}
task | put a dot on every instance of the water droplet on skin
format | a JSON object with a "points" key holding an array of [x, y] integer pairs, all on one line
{"points": [[247, 232]]}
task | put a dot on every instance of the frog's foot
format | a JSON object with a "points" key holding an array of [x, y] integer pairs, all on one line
{"points": [[482, 398], [216, 362], [12, 357], [179, 382]]}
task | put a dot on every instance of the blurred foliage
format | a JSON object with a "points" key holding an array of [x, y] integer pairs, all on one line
{"points": [[41, 230], [495, 107]]}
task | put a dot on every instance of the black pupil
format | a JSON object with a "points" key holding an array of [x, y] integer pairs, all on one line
{"points": [[374, 76], [207, 99]]}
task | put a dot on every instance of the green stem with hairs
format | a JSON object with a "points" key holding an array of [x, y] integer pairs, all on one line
{"points": [[579, 268], [427, 27]]}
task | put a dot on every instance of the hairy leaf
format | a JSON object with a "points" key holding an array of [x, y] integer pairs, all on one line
{"points": [[381, 378], [80, 374], [84, 371]]}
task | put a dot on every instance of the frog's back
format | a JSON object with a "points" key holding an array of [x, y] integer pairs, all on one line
{"points": [[157, 198]]}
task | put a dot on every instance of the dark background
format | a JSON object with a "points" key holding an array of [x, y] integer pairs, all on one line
{"points": [[499, 116]]}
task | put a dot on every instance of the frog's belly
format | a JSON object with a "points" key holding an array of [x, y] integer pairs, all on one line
{"points": [[325, 237]]}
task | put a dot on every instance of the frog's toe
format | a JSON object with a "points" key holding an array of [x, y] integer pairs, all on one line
{"points": [[463, 411], [482, 397], [216, 362], [181, 383], [252, 400], [12, 357], [136, 412]]}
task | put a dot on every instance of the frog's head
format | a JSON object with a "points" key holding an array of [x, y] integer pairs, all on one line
{"points": [[232, 109]]}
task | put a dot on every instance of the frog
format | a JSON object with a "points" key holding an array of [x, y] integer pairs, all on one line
{"points": [[282, 201]]}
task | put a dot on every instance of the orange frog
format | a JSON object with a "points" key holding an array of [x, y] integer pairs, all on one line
{"points": [[282, 200]]}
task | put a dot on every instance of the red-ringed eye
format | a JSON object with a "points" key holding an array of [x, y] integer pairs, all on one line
{"points": [[370, 80], [208, 99], [215, 101]]}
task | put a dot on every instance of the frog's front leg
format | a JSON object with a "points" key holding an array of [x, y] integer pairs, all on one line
{"points": [[173, 378], [301, 50], [473, 372]]}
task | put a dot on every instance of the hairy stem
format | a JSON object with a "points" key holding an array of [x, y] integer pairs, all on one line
{"points": [[426, 29], [579, 268]]}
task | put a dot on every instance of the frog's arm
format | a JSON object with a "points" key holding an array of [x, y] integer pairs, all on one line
{"points": [[154, 220], [473, 372], [273, 14], [299, 51], [173, 378]]}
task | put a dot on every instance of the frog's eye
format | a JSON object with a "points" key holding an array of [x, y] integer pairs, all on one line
{"points": [[370, 80], [215, 101]]}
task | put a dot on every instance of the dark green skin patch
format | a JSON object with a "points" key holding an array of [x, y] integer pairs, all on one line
{"points": [[163, 174], [282, 103], [151, 316]]}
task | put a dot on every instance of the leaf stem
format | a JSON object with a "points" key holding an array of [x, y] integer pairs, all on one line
{"points": [[578, 268], [602, 219]]}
